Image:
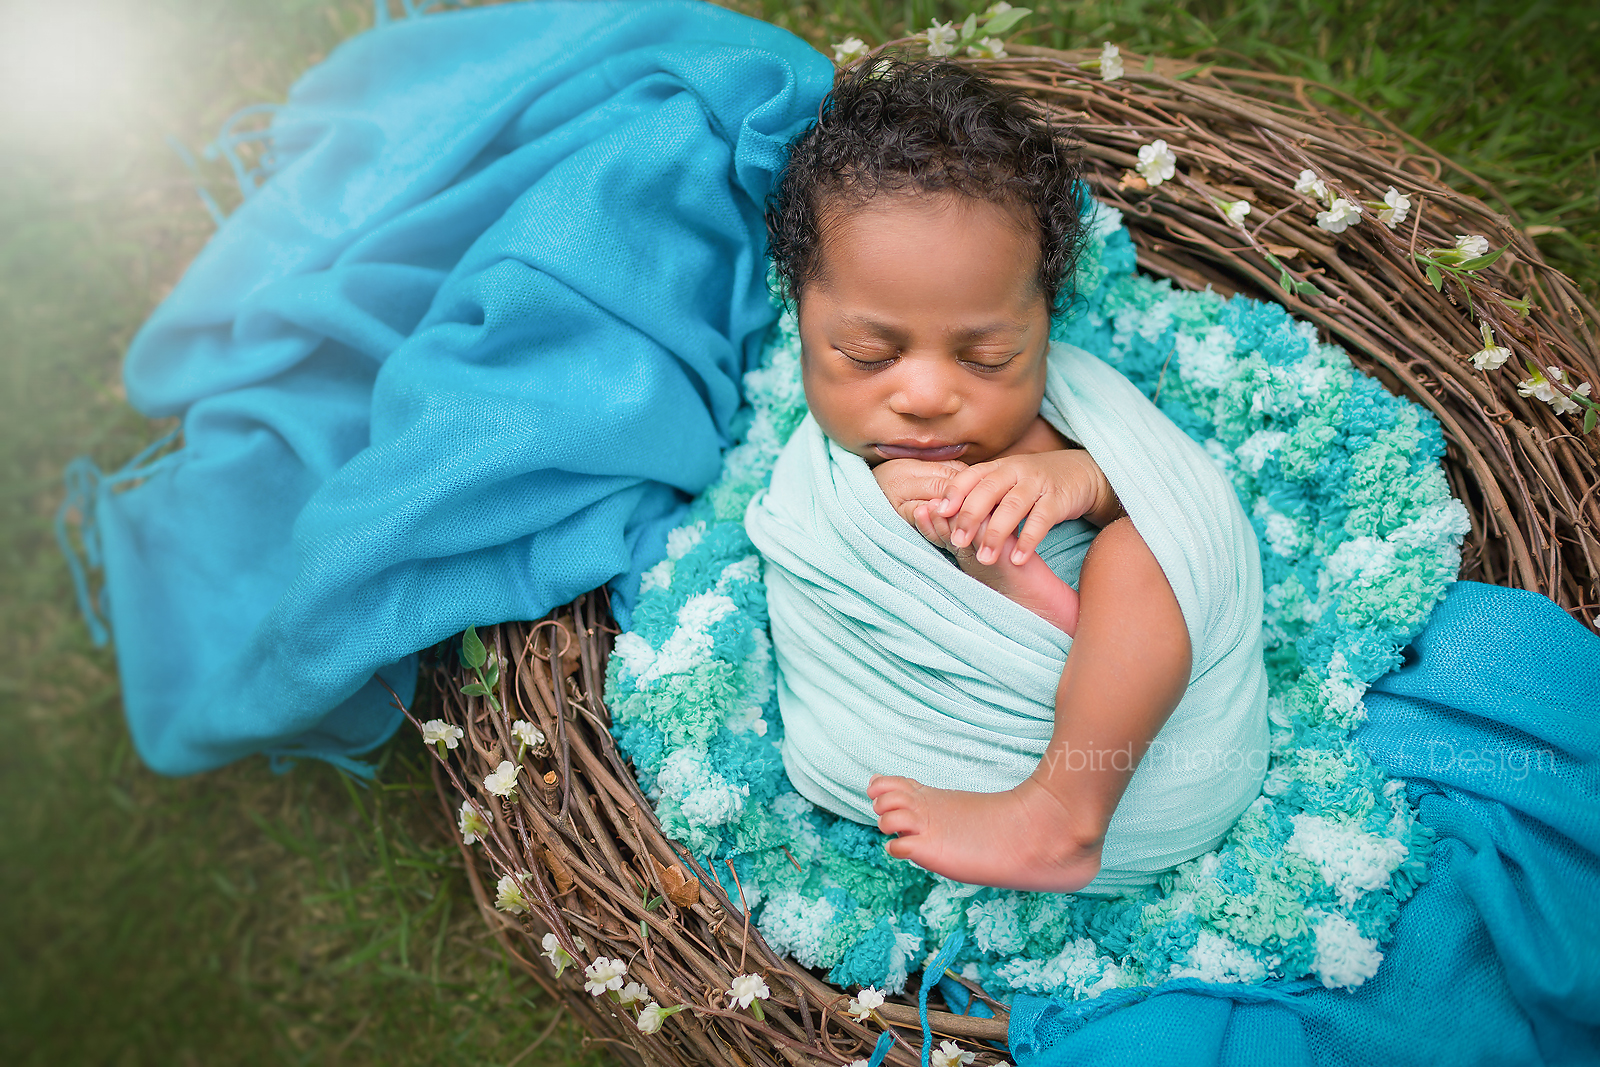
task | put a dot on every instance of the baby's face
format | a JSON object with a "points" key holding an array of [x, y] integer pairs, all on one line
{"points": [[925, 335]]}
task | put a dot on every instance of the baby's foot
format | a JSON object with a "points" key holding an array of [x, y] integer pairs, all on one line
{"points": [[1023, 838], [1032, 584]]}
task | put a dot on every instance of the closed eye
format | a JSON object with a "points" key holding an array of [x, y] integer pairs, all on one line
{"points": [[986, 362], [878, 361]]}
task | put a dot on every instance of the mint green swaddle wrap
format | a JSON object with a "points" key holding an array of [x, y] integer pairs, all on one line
{"points": [[893, 661]]}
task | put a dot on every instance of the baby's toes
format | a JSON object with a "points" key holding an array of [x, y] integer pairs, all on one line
{"points": [[902, 848], [902, 821], [881, 784]]}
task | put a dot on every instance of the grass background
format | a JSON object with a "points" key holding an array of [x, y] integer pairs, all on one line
{"points": [[243, 917]]}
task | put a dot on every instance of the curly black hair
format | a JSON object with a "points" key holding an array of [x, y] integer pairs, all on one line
{"points": [[896, 126]]}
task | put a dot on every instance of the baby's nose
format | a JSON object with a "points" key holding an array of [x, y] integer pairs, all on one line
{"points": [[924, 396]]}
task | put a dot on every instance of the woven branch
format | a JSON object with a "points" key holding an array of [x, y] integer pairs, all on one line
{"points": [[1527, 476], [593, 851], [595, 856]]}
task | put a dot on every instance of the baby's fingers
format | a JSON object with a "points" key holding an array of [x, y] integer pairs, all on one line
{"points": [[979, 506], [1033, 534], [1003, 523], [930, 526], [956, 490]]}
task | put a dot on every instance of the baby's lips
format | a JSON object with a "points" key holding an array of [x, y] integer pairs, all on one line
{"points": [[927, 453]]}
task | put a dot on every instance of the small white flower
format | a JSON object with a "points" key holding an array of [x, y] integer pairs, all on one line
{"points": [[652, 1015], [864, 1004], [1539, 387], [1308, 184], [748, 987], [949, 1054], [1471, 245], [472, 825], [603, 974], [941, 38], [1110, 62], [1156, 162], [1491, 356], [997, 9], [559, 957], [1340, 214], [632, 993], [1396, 204], [1565, 405], [849, 50], [1543, 387], [527, 734], [508, 895], [1236, 211], [436, 731], [988, 48], [502, 781], [650, 1018]]}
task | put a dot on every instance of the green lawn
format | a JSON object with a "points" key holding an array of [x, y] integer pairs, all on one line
{"points": [[244, 917]]}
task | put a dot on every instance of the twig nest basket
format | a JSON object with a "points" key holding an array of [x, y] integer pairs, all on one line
{"points": [[1245, 183]]}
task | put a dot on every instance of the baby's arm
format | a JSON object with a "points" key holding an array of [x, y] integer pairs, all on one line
{"points": [[1125, 673]]}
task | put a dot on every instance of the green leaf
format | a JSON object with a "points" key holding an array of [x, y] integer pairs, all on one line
{"points": [[1307, 289], [1003, 22], [652, 903], [472, 653], [969, 29], [492, 677], [475, 689], [1150, 64], [1193, 72], [644, 930], [1484, 260], [1589, 418], [1286, 283], [1435, 278]]}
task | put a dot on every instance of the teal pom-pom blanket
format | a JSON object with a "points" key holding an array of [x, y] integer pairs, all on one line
{"points": [[1360, 538]]}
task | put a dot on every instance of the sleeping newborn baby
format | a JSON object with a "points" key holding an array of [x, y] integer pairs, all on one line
{"points": [[1017, 613]]}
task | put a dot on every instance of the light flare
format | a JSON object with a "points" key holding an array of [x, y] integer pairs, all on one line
{"points": [[69, 69]]}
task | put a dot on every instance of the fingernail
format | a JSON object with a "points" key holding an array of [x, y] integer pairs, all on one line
{"points": [[1018, 558]]}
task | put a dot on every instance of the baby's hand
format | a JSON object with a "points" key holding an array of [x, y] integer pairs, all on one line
{"points": [[984, 503], [911, 482]]}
